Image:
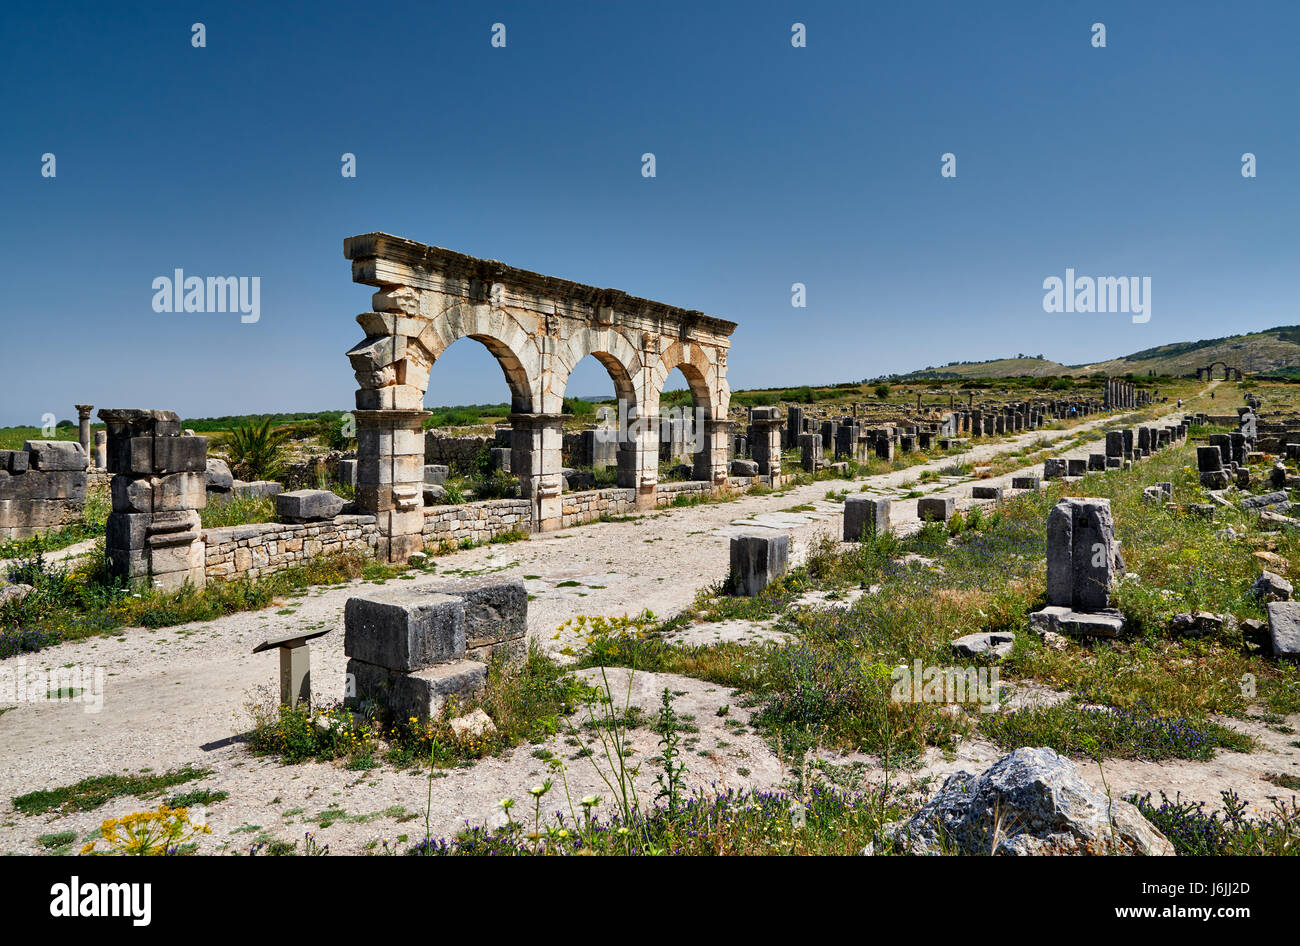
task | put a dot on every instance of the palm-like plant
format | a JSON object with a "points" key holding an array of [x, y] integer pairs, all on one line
{"points": [[256, 451]]}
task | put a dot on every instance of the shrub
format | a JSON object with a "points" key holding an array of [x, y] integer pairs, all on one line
{"points": [[256, 451]]}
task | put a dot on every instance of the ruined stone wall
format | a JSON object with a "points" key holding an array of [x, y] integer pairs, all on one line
{"points": [[475, 522], [42, 487], [670, 491], [454, 451], [589, 505], [265, 547]]}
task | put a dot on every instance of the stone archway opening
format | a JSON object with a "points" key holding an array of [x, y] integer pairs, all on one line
{"points": [[599, 400], [1230, 372], [479, 459]]}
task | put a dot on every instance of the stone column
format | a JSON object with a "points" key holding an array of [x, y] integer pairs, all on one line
{"points": [[711, 456], [100, 460], [158, 486], [537, 444], [390, 478], [1083, 558], [767, 441], [83, 434], [810, 452]]}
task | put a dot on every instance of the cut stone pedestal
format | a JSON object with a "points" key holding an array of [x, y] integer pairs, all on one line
{"points": [[865, 517], [410, 649], [1083, 562], [935, 508], [757, 561]]}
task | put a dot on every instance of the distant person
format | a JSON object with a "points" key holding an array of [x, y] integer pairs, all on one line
{"points": [[1180, 403]]}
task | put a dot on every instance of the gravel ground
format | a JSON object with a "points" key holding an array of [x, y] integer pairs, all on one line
{"points": [[177, 696]]}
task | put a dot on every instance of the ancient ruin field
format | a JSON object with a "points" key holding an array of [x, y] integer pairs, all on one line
{"points": [[652, 708]]}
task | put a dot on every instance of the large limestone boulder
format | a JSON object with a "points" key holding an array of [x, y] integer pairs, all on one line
{"points": [[218, 477], [1031, 801]]}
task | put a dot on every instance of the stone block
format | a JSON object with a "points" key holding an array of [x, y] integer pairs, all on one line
{"points": [[420, 694], [496, 610], [180, 454], [1054, 468], [1216, 479], [404, 629], [257, 488], [985, 644], [130, 455], [986, 492], [935, 508], [173, 527], [1076, 466], [435, 474], [757, 560], [1062, 620], [177, 491], [172, 565], [1272, 587], [347, 472], [1026, 482], [865, 516], [1284, 628], [128, 563], [1265, 500], [1083, 558], [308, 505], [56, 455], [127, 530], [131, 494], [1209, 459]]}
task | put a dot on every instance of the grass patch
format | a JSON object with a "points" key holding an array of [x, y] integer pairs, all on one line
{"points": [[1193, 830], [94, 792], [1106, 732]]}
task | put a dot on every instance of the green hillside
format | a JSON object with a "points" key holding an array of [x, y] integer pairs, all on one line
{"points": [[1272, 351]]}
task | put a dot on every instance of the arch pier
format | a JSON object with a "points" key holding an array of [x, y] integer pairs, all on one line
{"points": [[538, 328]]}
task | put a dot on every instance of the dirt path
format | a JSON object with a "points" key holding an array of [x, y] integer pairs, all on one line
{"points": [[176, 696]]}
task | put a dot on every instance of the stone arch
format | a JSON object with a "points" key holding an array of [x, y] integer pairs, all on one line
{"points": [[623, 363], [701, 374], [608, 346], [515, 350], [1230, 373], [706, 377]]}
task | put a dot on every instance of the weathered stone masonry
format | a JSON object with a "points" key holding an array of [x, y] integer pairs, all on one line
{"points": [[538, 328], [42, 486]]}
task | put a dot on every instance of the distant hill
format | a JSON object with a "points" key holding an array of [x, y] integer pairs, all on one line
{"points": [[1272, 351]]}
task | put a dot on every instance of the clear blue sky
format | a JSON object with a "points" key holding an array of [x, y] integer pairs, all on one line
{"points": [[775, 165]]}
